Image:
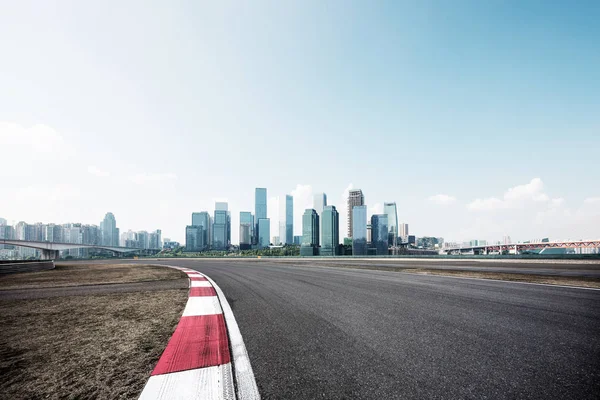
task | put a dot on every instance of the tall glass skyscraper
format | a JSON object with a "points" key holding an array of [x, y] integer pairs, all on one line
{"points": [[390, 210], [221, 227], [260, 209], [355, 198], [264, 232], [246, 229], [319, 202], [330, 227], [202, 219], [109, 230], [359, 230], [310, 233], [379, 233], [286, 220]]}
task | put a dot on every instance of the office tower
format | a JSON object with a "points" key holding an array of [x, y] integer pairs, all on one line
{"points": [[203, 219], [264, 232], [330, 227], [246, 230], [194, 238], [355, 198], [404, 232], [221, 227], [369, 234], [260, 209], [392, 216], [359, 230], [297, 240], [155, 240], [275, 240], [380, 233], [319, 202], [221, 206], [2, 221], [286, 220], [143, 239], [110, 232], [310, 233]]}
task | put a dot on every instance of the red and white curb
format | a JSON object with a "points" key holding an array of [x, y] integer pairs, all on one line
{"points": [[197, 362]]}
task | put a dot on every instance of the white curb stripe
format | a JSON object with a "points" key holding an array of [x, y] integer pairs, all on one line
{"points": [[195, 275], [202, 305], [195, 384], [201, 284], [246, 384]]}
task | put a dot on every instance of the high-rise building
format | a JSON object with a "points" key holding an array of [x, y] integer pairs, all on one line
{"points": [[379, 233], [286, 220], [155, 240], [246, 230], [355, 198], [194, 238], [275, 240], [330, 228], [319, 202], [297, 240], [359, 230], [392, 216], [221, 206], [221, 227], [203, 219], [264, 232], [310, 233], [110, 232], [2, 221], [260, 209], [404, 232]]}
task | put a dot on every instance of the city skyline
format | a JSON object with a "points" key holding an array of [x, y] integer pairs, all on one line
{"points": [[476, 126]]}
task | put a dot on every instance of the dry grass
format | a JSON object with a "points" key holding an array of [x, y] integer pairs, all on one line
{"points": [[550, 280], [89, 274], [94, 347]]}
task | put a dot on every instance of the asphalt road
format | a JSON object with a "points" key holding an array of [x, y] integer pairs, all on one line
{"points": [[335, 333]]}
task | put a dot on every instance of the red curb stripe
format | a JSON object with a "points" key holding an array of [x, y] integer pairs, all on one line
{"points": [[202, 291], [198, 342], [197, 278]]}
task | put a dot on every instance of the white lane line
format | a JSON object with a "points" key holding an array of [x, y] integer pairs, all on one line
{"points": [[201, 284], [195, 384], [245, 383], [503, 281], [202, 305]]}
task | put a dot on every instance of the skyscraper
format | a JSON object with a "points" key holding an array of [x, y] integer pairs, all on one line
{"points": [[359, 230], [330, 227], [221, 227], [264, 232], [310, 233], [246, 230], [109, 230], [319, 202], [260, 209], [379, 233], [286, 220], [203, 219], [392, 219], [404, 232], [355, 198], [194, 238]]}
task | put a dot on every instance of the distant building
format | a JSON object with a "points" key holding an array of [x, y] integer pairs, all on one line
{"points": [[379, 229], [390, 210], [355, 198], [109, 230], [310, 233], [260, 209], [264, 232], [359, 230], [404, 232], [330, 228], [203, 219], [275, 240], [297, 240], [246, 230], [286, 220], [170, 244], [319, 203], [221, 227], [194, 238]]}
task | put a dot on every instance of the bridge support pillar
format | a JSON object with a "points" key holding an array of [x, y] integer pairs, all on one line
{"points": [[48, 254]]}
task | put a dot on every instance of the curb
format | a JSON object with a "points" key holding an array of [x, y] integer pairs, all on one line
{"points": [[197, 362]]}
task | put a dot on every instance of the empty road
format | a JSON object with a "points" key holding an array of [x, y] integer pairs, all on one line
{"points": [[314, 332]]}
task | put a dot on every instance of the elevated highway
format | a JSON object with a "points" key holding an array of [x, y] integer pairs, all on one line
{"points": [[50, 250]]}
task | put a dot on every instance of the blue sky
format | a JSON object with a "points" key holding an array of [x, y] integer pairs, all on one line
{"points": [[153, 110]]}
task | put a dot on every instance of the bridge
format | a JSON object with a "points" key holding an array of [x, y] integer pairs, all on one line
{"points": [[519, 247], [50, 250]]}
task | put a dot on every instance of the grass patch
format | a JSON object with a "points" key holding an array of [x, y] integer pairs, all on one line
{"points": [[94, 347], [88, 274]]}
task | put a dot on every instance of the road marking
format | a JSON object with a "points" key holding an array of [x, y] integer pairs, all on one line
{"points": [[202, 305], [201, 284]]}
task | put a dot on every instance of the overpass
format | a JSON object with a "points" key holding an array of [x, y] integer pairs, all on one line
{"points": [[50, 250], [519, 247]]}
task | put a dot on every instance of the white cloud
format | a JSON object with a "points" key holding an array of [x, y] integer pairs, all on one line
{"points": [[442, 199], [592, 200], [97, 171], [515, 197], [38, 139], [143, 178], [376, 209]]}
